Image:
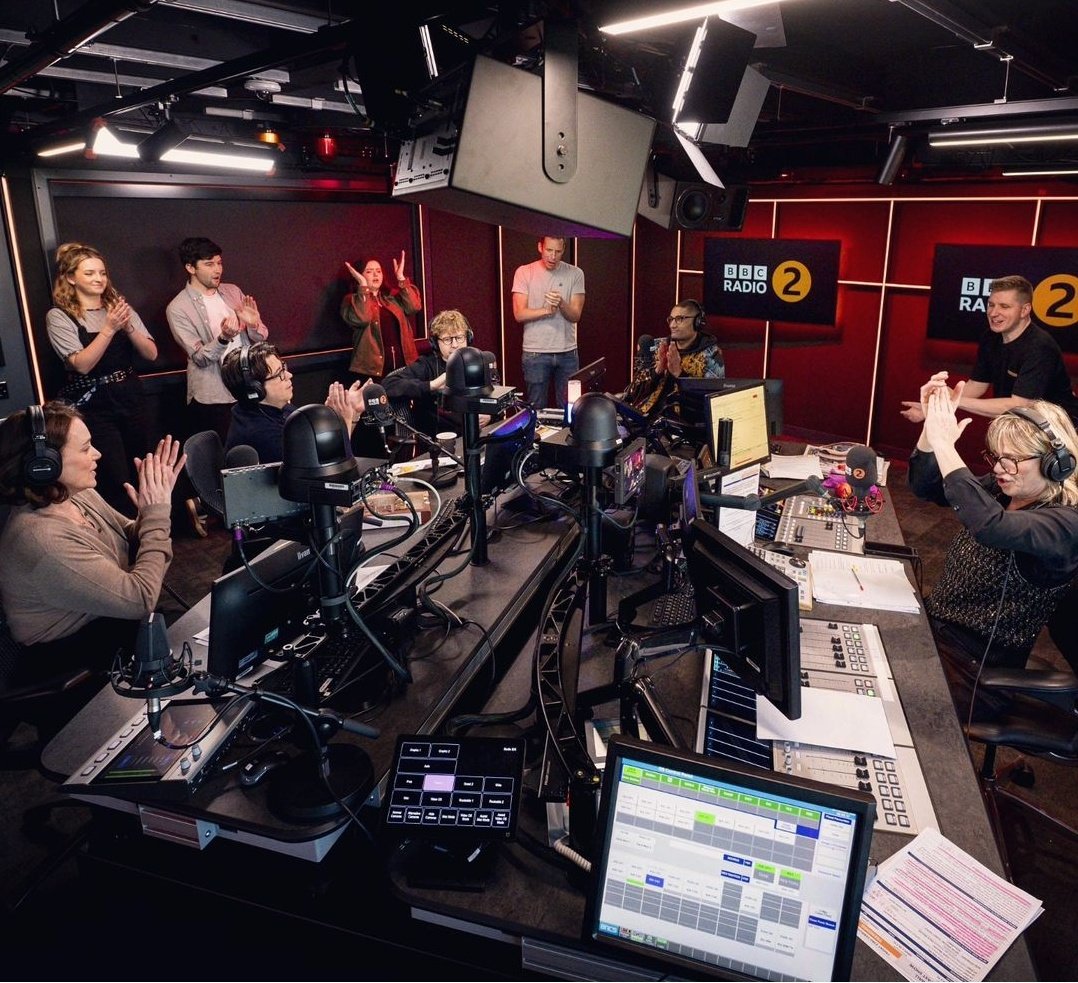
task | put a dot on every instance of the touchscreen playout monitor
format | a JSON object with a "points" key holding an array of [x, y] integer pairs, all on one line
{"points": [[503, 441], [703, 867], [748, 611], [773, 397], [746, 408], [254, 610]]}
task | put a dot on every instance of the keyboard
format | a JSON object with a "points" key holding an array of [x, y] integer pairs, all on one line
{"points": [[331, 661], [677, 608]]}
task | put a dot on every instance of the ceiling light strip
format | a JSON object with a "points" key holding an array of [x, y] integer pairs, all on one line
{"points": [[678, 16]]}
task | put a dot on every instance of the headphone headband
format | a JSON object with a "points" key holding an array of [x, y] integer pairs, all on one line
{"points": [[253, 389], [43, 462], [1058, 464]]}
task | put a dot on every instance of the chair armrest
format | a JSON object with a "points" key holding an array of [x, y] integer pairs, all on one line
{"points": [[1049, 685]]}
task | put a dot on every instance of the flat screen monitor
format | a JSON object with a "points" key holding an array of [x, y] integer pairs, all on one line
{"points": [[773, 396], [587, 379], [746, 408], [748, 610], [692, 398], [256, 609], [503, 441], [628, 471], [704, 867]]}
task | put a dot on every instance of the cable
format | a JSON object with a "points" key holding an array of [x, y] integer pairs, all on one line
{"points": [[562, 847], [991, 637]]}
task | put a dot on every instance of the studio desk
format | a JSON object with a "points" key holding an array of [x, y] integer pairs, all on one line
{"points": [[528, 917]]}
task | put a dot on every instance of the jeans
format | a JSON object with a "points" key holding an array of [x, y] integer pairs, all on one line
{"points": [[540, 368]]}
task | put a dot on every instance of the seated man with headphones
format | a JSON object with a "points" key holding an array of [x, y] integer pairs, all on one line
{"points": [[420, 382], [262, 384], [76, 576], [689, 352], [1017, 551]]}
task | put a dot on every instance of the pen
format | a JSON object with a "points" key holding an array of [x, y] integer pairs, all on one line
{"points": [[853, 570]]}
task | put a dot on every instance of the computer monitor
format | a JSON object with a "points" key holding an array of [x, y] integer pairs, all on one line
{"points": [[692, 399], [773, 396], [746, 408], [587, 379], [502, 442], [690, 497], [704, 867], [256, 609], [748, 610]]}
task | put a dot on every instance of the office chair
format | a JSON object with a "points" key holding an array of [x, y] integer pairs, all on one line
{"points": [[45, 704], [1041, 720], [206, 458]]}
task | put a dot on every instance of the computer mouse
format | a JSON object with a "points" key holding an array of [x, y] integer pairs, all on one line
{"points": [[255, 770]]}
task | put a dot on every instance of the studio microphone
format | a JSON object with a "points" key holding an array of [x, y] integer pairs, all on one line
{"points": [[492, 368], [855, 489], [152, 673], [645, 352], [378, 412], [241, 456]]}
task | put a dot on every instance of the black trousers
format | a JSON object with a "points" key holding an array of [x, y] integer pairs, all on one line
{"points": [[116, 417]]}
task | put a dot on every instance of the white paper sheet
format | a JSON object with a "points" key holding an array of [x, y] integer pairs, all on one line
{"points": [[829, 718]]}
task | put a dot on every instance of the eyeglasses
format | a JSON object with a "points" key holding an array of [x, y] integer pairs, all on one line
{"points": [[1005, 461], [279, 374], [679, 318], [457, 339]]}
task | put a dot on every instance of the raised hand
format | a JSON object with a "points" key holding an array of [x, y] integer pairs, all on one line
{"points": [[157, 474], [942, 426], [247, 312], [360, 279], [915, 412], [398, 267]]}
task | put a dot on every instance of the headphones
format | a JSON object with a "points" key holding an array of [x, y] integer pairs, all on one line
{"points": [[699, 321], [42, 464], [1058, 464], [252, 388]]}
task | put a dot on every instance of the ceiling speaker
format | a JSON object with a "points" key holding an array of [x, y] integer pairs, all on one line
{"points": [[705, 208]]}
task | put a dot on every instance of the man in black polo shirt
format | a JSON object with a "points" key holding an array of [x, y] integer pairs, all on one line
{"points": [[1017, 359]]}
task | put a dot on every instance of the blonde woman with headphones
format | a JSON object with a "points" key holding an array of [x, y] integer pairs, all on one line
{"points": [[1017, 551]]}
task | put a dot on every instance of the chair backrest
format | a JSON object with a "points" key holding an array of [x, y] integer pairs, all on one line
{"points": [[205, 459]]}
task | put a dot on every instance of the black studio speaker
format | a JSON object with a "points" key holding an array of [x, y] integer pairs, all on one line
{"points": [[705, 208]]}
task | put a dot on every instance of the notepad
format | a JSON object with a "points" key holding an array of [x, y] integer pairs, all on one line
{"points": [[861, 582]]}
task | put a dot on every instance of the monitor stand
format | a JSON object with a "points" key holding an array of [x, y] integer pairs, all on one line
{"points": [[459, 867]]}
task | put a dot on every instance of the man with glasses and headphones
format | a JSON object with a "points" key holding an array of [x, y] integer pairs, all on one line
{"points": [[261, 383], [690, 352], [1017, 551]]}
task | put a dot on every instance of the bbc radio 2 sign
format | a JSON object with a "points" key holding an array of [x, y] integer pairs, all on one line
{"points": [[958, 306], [772, 279]]}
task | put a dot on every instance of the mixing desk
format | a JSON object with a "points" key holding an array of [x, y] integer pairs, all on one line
{"points": [[811, 521], [835, 655]]}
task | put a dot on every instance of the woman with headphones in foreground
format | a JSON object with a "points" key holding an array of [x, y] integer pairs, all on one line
{"points": [[1017, 552], [70, 589]]}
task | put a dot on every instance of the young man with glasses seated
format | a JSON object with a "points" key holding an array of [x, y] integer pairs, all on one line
{"points": [[419, 383], [1016, 554], [263, 396], [689, 352]]}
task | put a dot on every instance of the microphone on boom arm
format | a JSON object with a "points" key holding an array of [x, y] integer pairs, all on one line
{"points": [[854, 490]]}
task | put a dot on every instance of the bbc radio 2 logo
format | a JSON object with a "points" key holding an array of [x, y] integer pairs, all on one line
{"points": [[790, 281], [1055, 298]]}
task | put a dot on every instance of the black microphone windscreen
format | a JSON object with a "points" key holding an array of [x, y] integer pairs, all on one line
{"points": [[861, 469], [241, 456], [645, 344], [376, 400]]}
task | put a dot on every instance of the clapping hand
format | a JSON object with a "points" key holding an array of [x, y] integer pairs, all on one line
{"points": [[157, 474], [915, 412], [942, 426], [230, 326], [118, 316], [348, 403], [247, 312], [673, 361]]}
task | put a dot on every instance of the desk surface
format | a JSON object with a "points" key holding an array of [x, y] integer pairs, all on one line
{"points": [[535, 897]]}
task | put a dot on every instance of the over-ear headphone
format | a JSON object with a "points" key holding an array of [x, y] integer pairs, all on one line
{"points": [[252, 388], [43, 463], [1058, 464], [699, 321]]}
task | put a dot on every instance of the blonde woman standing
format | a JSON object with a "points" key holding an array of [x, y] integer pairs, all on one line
{"points": [[96, 334]]}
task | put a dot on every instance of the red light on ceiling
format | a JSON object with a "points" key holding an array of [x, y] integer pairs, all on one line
{"points": [[326, 146]]}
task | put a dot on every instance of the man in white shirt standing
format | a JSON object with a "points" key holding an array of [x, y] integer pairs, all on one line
{"points": [[209, 318], [548, 299]]}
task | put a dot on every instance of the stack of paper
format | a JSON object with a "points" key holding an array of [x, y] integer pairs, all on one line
{"points": [[935, 913], [799, 466], [861, 582]]}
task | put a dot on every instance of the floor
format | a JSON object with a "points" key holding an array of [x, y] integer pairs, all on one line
{"points": [[40, 830]]}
